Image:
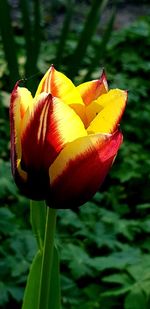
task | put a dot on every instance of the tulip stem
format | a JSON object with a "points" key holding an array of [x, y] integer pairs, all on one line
{"points": [[47, 259]]}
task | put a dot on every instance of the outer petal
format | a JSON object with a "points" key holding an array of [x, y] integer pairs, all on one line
{"points": [[51, 125], [112, 107], [21, 99], [90, 91], [80, 168], [62, 87]]}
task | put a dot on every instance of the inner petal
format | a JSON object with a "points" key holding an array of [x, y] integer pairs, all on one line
{"points": [[91, 90], [60, 86], [111, 107]]}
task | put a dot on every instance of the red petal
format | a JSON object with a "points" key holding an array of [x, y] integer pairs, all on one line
{"points": [[12, 132], [90, 91], [75, 179], [50, 127], [21, 98]]}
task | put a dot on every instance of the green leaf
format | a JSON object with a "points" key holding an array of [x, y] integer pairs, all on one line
{"points": [[117, 260], [30, 300], [6, 220], [136, 299], [8, 41], [32, 38], [3, 293], [46, 283], [38, 219], [65, 31], [92, 291], [70, 219], [145, 206], [121, 279], [31, 295], [77, 259], [54, 296], [7, 187], [89, 28], [101, 48], [116, 292], [140, 269], [67, 284], [16, 292]]}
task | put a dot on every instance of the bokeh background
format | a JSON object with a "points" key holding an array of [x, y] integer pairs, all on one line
{"points": [[105, 245]]}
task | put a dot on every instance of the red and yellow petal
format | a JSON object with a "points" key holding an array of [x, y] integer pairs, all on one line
{"points": [[51, 125], [111, 106], [21, 99], [60, 86], [90, 91], [80, 169], [34, 184]]}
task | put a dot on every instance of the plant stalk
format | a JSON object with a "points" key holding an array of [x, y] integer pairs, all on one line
{"points": [[47, 259]]}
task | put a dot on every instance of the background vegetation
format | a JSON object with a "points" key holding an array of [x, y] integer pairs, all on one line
{"points": [[105, 245]]}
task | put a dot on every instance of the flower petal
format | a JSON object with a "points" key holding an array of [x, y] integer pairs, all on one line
{"points": [[60, 86], [81, 167], [112, 107], [21, 99], [90, 91], [92, 110], [34, 184], [51, 125]]}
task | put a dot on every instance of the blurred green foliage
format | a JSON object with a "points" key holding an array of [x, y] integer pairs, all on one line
{"points": [[105, 245]]}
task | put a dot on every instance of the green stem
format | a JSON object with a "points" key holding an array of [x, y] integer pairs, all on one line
{"points": [[47, 259]]}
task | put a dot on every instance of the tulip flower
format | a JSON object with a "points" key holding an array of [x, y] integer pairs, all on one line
{"points": [[65, 139]]}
